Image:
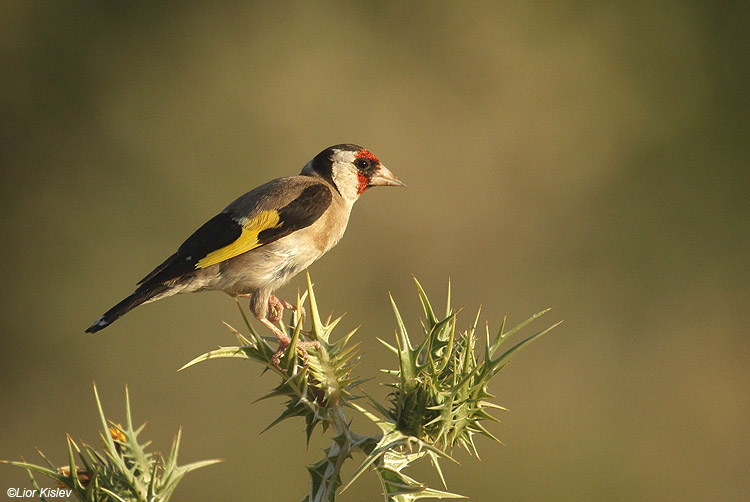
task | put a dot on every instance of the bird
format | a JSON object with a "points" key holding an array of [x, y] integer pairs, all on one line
{"points": [[265, 237]]}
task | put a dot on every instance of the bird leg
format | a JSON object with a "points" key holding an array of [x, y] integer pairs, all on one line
{"points": [[284, 341], [276, 308]]}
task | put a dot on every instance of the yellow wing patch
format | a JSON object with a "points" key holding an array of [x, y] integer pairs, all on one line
{"points": [[245, 242]]}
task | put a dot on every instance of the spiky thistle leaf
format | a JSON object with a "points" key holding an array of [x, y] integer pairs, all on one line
{"points": [[123, 472]]}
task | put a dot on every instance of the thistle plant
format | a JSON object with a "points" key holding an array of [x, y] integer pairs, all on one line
{"points": [[439, 399], [439, 394], [121, 471]]}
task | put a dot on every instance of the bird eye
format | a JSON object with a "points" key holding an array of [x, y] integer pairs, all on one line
{"points": [[362, 164]]}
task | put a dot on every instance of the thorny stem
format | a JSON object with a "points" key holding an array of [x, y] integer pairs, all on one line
{"points": [[344, 450]]}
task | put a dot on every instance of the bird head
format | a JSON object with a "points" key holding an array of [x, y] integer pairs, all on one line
{"points": [[351, 170]]}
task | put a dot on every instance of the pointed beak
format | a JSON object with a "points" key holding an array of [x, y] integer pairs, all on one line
{"points": [[383, 177]]}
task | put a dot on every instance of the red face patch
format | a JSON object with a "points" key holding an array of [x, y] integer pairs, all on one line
{"points": [[362, 182], [364, 154]]}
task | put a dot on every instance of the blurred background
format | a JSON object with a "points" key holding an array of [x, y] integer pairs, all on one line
{"points": [[590, 157]]}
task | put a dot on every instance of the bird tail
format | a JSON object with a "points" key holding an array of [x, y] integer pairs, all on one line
{"points": [[141, 295]]}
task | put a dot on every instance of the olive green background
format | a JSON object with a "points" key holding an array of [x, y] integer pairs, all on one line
{"points": [[588, 156]]}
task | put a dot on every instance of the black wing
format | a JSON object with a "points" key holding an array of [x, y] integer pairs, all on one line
{"points": [[219, 231], [300, 213], [224, 230]]}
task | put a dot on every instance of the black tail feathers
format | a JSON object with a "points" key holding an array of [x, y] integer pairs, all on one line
{"points": [[140, 296]]}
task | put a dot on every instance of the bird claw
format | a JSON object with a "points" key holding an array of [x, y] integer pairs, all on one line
{"points": [[276, 308], [301, 311], [276, 357], [301, 350], [284, 340]]}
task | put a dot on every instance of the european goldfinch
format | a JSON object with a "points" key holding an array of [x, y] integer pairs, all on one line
{"points": [[265, 237]]}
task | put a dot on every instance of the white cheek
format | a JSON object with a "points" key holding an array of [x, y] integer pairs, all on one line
{"points": [[346, 181]]}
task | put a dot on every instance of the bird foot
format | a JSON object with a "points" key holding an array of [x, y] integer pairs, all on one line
{"points": [[284, 342], [276, 308], [301, 350]]}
